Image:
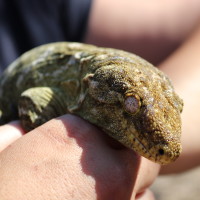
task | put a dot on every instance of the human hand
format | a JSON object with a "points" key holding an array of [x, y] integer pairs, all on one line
{"points": [[68, 158]]}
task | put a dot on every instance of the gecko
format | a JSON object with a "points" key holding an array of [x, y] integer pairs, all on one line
{"points": [[121, 93]]}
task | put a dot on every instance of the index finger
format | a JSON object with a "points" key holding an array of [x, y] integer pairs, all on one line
{"points": [[9, 133]]}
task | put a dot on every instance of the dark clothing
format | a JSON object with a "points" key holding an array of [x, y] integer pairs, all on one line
{"points": [[25, 24]]}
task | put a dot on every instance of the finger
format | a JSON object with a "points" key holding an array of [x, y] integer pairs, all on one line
{"points": [[113, 167], [9, 133], [47, 162], [70, 152], [67, 156], [147, 173], [138, 172], [146, 195]]}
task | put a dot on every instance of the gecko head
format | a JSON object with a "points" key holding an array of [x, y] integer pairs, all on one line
{"points": [[138, 107], [157, 125]]}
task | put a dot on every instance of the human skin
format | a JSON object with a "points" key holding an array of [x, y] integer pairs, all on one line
{"points": [[63, 161], [151, 29]]}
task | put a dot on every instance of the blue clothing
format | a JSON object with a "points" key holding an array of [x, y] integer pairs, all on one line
{"points": [[25, 24]]}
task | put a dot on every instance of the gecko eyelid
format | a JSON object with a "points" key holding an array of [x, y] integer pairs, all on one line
{"points": [[132, 104]]}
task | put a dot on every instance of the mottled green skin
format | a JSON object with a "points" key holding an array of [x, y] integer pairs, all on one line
{"points": [[120, 92]]}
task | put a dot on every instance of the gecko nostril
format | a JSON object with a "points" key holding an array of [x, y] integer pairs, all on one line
{"points": [[161, 152]]}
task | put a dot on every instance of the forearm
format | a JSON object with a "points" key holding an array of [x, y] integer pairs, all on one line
{"points": [[147, 28], [183, 67]]}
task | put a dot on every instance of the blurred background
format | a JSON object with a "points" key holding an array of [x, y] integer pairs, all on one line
{"points": [[185, 186]]}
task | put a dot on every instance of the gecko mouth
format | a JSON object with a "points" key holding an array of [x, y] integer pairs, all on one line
{"points": [[160, 153], [141, 149]]}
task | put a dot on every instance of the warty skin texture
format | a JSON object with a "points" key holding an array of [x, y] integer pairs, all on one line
{"points": [[121, 93]]}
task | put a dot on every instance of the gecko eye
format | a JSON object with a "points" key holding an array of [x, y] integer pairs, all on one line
{"points": [[132, 104]]}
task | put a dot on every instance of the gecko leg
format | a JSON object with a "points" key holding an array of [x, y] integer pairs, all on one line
{"points": [[39, 104]]}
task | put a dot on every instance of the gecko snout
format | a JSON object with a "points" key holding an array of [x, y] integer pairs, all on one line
{"points": [[165, 154]]}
